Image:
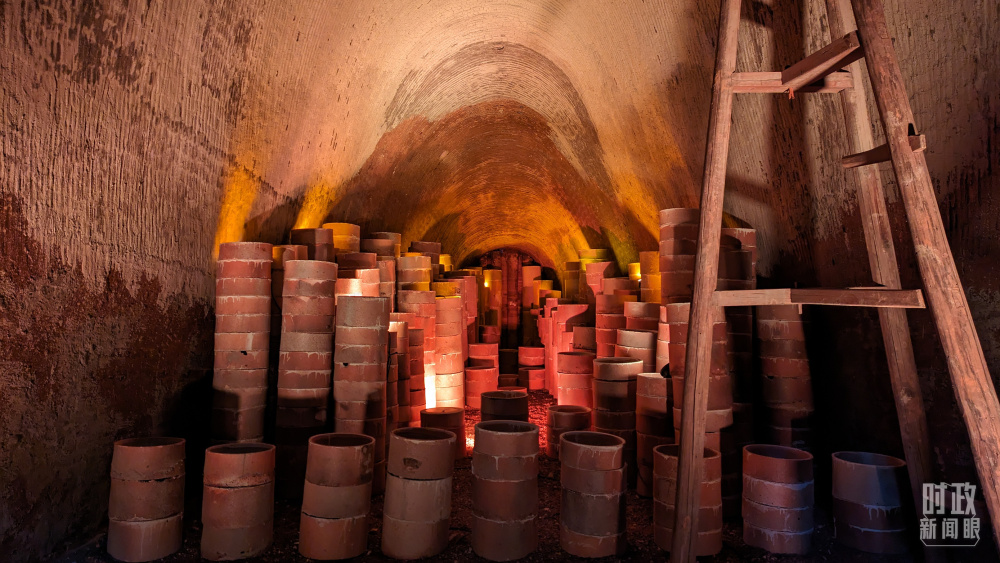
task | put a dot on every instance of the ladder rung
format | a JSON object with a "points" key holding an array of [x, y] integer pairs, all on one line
{"points": [[880, 153], [831, 58], [771, 83], [851, 297]]}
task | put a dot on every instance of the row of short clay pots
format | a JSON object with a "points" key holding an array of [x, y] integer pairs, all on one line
{"points": [[786, 384], [709, 536], [653, 423], [242, 340], [448, 355]]}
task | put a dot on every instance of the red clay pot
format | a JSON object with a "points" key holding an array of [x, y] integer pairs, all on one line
{"points": [[575, 362], [591, 450], [238, 505], [421, 453]]}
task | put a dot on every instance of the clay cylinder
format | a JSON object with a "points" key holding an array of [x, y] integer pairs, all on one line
{"points": [[777, 498], [451, 419], [564, 418], [709, 541], [574, 375], [504, 490], [868, 494], [237, 510], [145, 509], [337, 496], [592, 517], [417, 506], [504, 405]]}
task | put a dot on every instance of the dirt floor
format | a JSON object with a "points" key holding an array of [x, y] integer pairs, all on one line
{"points": [[640, 515]]}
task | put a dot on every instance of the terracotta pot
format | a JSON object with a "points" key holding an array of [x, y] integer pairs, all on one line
{"points": [[781, 495], [238, 505], [145, 540], [531, 356], [591, 450], [421, 453], [564, 418]]}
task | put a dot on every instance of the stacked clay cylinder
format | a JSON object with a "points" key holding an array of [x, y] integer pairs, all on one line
{"points": [[491, 304], [242, 340], [422, 304], [337, 496], [531, 367], [146, 506], [709, 537], [654, 425], [398, 336], [237, 507], [399, 364], [318, 243], [562, 419], [358, 274], [662, 342], [360, 372], [641, 316], [466, 290], [449, 374], [346, 237], [305, 361], [417, 509], [418, 394], [732, 440], [778, 496], [639, 345], [575, 379], [427, 248], [592, 475], [413, 273], [470, 300], [585, 338], [678, 243], [592, 284], [615, 403], [396, 238], [738, 271], [508, 367], [610, 318], [565, 317], [387, 279], [483, 372], [869, 491], [786, 385], [451, 419], [550, 340], [504, 490], [720, 389], [649, 280], [279, 255], [504, 405]]}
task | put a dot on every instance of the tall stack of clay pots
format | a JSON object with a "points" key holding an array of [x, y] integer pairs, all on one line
{"points": [[615, 403], [868, 495], [531, 367], [387, 279], [360, 373], [778, 497], [786, 384], [279, 255], [654, 425], [451, 419], [237, 508], [592, 473], [417, 509], [649, 281], [146, 506], [678, 243], [561, 419], [565, 316], [482, 373], [609, 319], [448, 361], [392, 377], [720, 391], [346, 237], [396, 238], [318, 243], [418, 395], [337, 496], [575, 379], [637, 344], [399, 364], [422, 304], [413, 273], [505, 405], [304, 363], [242, 340], [504, 490], [709, 540], [662, 342], [529, 301]]}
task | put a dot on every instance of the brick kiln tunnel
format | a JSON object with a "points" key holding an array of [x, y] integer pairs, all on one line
{"points": [[530, 144]]}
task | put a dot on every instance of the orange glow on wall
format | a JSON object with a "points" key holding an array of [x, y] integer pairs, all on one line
{"points": [[238, 196]]}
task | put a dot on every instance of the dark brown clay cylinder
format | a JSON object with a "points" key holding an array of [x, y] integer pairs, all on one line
{"points": [[504, 405], [328, 539]]}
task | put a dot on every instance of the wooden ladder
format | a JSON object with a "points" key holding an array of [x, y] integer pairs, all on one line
{"points": [[823, 72]]}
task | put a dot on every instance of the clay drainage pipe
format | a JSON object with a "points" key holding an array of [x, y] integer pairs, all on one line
{"points": [[505, 405], [237, 511], [564, 418], [505, 490], [709, 540], [451, 419], [868, 493], [777, 498], [337, 496], [145, 510], [592, 517], [417, 509]]}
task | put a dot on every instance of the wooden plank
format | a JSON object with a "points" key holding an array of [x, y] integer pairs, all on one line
{"points": [[835, 56], [851, 297], [977, 398], [699, 344], [880, 153], [882, 259], [771, 83]]}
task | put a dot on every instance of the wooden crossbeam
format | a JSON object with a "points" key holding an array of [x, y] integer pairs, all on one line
{"points": [[772, 83], [851, 297], [831, 58], [880, 153]]}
